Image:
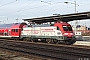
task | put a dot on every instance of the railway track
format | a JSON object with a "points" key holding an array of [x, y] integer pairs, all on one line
{"points": [[53, 51]]}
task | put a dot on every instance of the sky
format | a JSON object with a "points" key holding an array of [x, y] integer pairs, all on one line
{"points": [[13, 11]]}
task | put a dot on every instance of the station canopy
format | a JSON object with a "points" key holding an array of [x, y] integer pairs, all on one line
{"points": [[64, 18]]}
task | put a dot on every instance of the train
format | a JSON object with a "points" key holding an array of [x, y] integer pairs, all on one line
{"points": [[11, 30], [58, 32]]}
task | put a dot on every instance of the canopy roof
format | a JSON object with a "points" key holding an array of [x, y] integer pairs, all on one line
{"points": [[65, 18]]}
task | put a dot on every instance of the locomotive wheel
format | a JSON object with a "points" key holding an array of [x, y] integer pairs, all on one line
{"points": [[48, 40], [67, 42], [55, 41], [16, 39], [25, 39], [32, 40], [72, 42]]}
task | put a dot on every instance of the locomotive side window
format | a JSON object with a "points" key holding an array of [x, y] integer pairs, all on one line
{"points": [[58, 28], [70, 28], [67, 28]]}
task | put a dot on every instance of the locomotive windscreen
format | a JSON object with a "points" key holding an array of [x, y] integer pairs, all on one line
{"points": [[67, 28]]}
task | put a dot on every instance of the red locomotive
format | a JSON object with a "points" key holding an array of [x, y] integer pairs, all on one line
{"points": [[59, 32]]}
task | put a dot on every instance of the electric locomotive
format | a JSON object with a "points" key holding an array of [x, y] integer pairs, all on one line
{"points": [[59, 32]]}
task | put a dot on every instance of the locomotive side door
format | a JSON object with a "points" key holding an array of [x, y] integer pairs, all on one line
{"points": [[58, 32]]}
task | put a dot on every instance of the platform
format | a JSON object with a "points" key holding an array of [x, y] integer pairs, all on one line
{"points": [[83, 43]]}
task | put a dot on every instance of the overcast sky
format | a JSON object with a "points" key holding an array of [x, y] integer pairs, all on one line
{"points": [[10, 10]]}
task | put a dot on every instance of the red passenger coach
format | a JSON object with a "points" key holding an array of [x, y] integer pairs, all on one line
{"points": [[11, 30]]}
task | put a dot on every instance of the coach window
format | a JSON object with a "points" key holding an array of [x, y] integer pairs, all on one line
{"points": [[16, 30], [12, 30], [2, 33]]}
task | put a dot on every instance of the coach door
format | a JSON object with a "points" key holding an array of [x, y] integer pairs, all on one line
{"points": [[9, 32]]}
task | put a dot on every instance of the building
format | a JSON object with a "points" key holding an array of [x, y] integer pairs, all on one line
{"points": [[79, 27]]}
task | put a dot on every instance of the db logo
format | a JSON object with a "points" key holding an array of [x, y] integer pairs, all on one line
{"points": [[58, 33]]}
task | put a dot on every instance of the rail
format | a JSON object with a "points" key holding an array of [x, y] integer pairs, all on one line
{"points": [[55, 51]]}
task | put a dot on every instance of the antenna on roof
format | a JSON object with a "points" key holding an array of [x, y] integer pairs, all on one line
{"points": [[17, 20]]}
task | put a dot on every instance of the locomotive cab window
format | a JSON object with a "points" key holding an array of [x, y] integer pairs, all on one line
{"points": [[67, 28]]}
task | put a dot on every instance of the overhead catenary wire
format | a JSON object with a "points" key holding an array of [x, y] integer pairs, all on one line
{"points": [[22, 9], [47, 11], [8, 3], [0, 0], [25, 6], [41, 6], [17, 10]]}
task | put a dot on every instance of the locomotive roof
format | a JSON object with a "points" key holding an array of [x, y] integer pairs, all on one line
{"points": [[65, 18]]}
